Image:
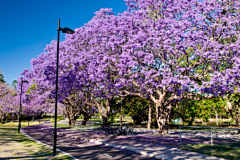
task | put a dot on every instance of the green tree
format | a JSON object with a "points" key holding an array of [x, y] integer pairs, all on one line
{"points": [[2, 77], [137, 108], [189, 109], [210, 107], [14, 84]]}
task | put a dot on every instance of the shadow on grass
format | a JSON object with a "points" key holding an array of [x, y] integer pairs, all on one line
{"points": [[21, 147], [224, 150], [11, 135], [42, 154]]}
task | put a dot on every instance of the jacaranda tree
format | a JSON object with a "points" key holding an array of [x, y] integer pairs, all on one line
{"points": [[181, 49], [163, 49], [9, 101]]}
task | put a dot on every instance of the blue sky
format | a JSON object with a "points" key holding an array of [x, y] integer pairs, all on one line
{"points": [[27, 26]]}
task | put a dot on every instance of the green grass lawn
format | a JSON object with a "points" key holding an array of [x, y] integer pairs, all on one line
{"points": [[224, 150], [115, 118], [19, 146], [66, 126], [23, 124], [92, 120]]}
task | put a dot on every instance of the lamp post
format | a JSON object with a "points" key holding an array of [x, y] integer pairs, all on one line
{"points": [[20, 108], [69, 31]]}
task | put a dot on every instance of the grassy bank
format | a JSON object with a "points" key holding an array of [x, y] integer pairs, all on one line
{"points": [[18, 146]]}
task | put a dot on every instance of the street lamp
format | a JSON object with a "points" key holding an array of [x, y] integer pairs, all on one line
{"points": [[69, 31], [20, 108]]}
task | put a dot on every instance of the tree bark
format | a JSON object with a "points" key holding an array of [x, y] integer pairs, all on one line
{"points": [[2, 116], [163, 115], [149, 115], [72, 121], [238, 118], [238, 121], [71, 109], [85, 119], [105, 121], [233, 111], [121, 116], [163, 110], [105, 116], [72, 117]]}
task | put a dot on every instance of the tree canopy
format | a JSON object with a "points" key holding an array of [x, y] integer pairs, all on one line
{"points": [[165, 50]]}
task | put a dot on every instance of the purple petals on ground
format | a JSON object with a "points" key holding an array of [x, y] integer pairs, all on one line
{"points": [[146, 138]]}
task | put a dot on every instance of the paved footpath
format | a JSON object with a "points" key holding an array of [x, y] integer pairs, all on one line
{"points": [[79, 149], [79, 146]]}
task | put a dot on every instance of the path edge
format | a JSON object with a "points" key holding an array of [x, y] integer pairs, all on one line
{"points": [[113, 145]]}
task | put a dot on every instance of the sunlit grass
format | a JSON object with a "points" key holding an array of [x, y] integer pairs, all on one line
{"points": [[66, 126], [93, 125], [115, 118], [18, 146], [23, 124], [59, 118]]}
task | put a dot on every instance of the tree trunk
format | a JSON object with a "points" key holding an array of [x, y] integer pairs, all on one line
{"points": [[154, 122], [238, 118], [162, 115], [162, 110], [72, 121], [85, 119], [105, 121], [71, 110], [84, 122], [71, 115], [106, 116], [121, 116], [149, 115], [2, 116]]}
